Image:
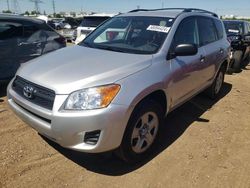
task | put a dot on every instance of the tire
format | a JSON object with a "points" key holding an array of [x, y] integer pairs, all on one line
{"points": [[214, 90], [245, 62], [237, 61], [140, 137]]}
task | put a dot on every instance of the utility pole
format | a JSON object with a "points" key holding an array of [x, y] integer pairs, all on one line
{"points": [[37, 2], [54, 7], [8, 5], [15, 7]]}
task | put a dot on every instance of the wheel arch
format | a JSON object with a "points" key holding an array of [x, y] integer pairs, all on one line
{"points": [[158, 96], [224, 66]]}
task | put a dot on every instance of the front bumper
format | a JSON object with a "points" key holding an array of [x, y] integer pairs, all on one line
{"points": [[68, 128]]}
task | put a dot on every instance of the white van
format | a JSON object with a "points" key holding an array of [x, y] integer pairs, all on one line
{"points": [[89, 23]]}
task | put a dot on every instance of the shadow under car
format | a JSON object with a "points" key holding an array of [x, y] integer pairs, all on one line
{"points": [[108, 164]]}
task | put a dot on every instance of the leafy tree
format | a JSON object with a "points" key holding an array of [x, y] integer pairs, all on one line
{"points": [[58, 16], [7, 11], [34, 12], [27, 13]]}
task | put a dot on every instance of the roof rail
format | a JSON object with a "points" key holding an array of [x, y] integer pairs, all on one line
{"points": [[200, 11], [139, 10], [182, 10]]}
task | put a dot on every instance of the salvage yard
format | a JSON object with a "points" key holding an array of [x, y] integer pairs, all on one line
{"points": [[205, 144]]}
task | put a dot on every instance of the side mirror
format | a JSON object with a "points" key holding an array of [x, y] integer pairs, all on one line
{"points": [[184, 50]]}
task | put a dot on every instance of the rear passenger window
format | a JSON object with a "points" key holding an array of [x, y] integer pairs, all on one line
{"points": [[10, 30], [219, 28], [187, 33], [207, 31], [248, 27], [49, 31], [29, 30]]}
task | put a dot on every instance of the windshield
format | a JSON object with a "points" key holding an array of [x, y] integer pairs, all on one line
{"points": [[233, 27], [140, 35], [93, 21]]}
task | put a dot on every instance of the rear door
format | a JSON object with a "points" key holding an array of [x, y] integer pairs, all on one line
{"points": [[213, 48], [186, 75], [53, 40], [247, 32], [10, 32], [32, 43]]}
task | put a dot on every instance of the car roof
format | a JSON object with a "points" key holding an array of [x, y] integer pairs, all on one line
{"points": [[167, 12], [100, 15], [13, 17], [160, 13], [235, 21]]}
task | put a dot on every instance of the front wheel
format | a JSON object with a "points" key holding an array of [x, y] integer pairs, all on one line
{"points": [[246, 62], [142, 132], [214, 90], [237, 61]]}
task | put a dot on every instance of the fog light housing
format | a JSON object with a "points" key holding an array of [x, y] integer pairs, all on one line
{"points": [[92, 137]]}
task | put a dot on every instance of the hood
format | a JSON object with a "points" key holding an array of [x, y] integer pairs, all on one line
{"points": [[73, 68]]}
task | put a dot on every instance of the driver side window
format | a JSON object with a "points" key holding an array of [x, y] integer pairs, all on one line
{"points": [[187, 33]]}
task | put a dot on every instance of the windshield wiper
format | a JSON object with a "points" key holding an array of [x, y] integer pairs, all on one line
{"points": [[110, 49]]}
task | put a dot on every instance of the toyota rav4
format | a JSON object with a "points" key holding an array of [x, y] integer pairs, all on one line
{"points": [[112, 91]]}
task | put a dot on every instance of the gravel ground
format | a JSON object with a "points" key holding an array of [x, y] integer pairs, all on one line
{"points": [[206, 144]]}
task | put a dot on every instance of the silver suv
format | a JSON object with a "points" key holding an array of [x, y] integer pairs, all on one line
{"points": [[112, 91]]}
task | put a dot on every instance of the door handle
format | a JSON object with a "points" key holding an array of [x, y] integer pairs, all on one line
{"points": [[27, 43], [23, 43], [38, 44], [202, 59]]}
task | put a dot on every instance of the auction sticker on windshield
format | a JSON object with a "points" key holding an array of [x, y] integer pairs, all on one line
{"points": [[233, 31], [158, 28]]}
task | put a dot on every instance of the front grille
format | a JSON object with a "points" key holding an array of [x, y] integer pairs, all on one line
{"points": [[40, 96], [40, 117]]}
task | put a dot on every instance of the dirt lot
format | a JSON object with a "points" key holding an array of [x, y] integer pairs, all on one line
{"points": [[206, 144]]}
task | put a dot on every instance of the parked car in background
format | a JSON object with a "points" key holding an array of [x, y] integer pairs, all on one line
{"points": [[124, 78], [59, 23], [51, 24], [22, 39], [70, 32], [238, 33], [88, 24], [73, 22]]}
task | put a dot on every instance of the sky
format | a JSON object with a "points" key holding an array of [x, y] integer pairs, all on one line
{"points": [[221, 7]]}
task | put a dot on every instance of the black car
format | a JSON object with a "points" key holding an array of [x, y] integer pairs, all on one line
{"points": [[238, 33], [22, 39]]}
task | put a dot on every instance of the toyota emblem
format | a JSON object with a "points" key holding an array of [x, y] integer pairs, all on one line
{"points": [[28, 92]]}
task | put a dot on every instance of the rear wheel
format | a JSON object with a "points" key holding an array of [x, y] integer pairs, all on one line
{"points": [[237, 61], [142, 132], [214, 90]]}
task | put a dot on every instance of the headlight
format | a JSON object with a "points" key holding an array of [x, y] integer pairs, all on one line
{"points": [[92, 98]]}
